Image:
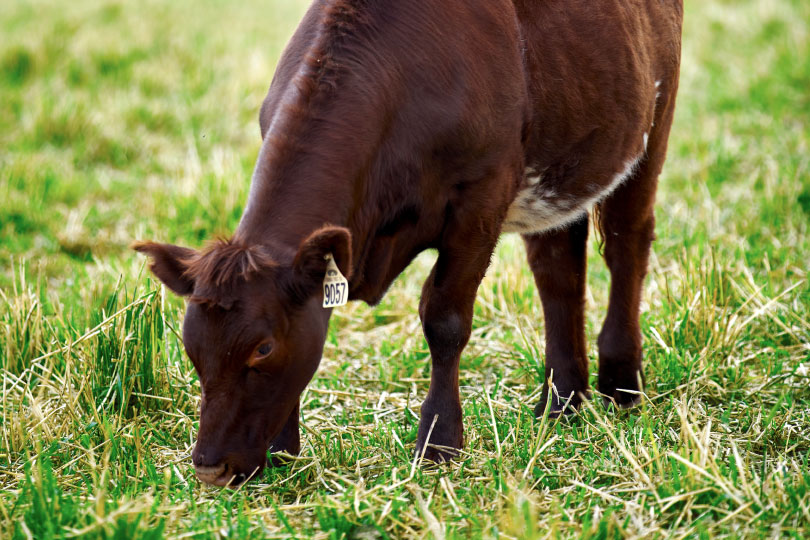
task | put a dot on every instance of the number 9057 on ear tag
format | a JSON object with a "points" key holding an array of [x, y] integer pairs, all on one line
{"points": [[335, 285]]}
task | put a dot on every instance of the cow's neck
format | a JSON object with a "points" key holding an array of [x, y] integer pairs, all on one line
{"points": [[303, 182], [286, 203], [315, 168]]}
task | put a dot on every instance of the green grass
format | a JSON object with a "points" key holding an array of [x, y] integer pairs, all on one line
{"points": [[135, 120]]}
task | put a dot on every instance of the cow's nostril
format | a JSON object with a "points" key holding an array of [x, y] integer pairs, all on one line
{"points": [[206, 456]]}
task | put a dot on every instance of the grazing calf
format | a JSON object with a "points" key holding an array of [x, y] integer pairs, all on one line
{"points": [[393, 127]]}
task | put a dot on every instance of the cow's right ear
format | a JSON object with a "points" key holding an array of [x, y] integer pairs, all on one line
{"points": [[309, 265], [169, 264]]}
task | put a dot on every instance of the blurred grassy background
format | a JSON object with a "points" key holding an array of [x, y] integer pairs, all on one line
{"points": [[133, 120]]}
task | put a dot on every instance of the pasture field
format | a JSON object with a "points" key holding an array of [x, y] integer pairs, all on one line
{"points": [[138, 120]]}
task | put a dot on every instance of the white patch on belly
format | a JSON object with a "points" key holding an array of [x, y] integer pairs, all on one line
{"points": [[538, 208], [532, 176]]}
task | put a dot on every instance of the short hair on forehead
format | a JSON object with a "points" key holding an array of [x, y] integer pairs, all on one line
{"points": [[224, 262]]}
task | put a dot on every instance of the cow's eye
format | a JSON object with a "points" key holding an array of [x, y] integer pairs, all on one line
{"points": [[264, 350], [259, 354]]}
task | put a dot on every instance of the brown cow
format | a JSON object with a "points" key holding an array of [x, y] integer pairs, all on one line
{"points": [[392, 127]]}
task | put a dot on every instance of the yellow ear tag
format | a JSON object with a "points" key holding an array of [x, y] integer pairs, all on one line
{"points": [[335, 285]]}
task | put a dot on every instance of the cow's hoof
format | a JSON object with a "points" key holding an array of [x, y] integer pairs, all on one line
{"points": [[556, 409], [621, 400], [441, 443], [441, 431], [439, 449], [624, 393], [435, 454], [559, 405]]}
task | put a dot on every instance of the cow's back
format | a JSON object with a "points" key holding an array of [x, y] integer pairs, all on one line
{"points": [[596, 66]]}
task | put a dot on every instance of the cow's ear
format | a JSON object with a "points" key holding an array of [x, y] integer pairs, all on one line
{"points": [[169, 264], [309, 266]]}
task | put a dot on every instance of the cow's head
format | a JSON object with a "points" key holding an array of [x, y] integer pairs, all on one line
{"points": [[254, 330]]}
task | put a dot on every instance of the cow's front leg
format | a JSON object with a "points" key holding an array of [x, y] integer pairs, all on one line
{"points": [[289, 440], [446, 310]]}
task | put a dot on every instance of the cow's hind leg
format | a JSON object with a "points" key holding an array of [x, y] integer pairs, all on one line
{"points": [[628, 223], [558, 260]]}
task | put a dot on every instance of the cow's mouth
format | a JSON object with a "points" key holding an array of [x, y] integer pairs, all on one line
{"points": [[220, 475]]}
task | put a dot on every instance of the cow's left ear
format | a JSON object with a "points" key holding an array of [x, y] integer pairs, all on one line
{"points": [[169, 264], [309, 265]]}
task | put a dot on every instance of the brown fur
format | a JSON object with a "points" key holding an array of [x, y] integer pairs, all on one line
{"points": [[220, 269], [225, 262], [395, 127]]}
